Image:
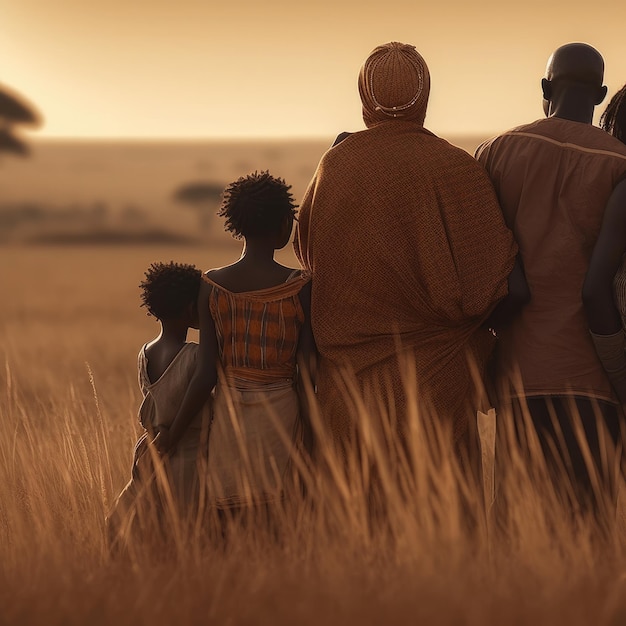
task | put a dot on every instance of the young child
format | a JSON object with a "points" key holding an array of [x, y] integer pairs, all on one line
{"points": [[166, 365], [254, 331]]}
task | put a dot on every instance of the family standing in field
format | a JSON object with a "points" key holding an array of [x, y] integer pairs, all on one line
{"points": [[433, 285]]}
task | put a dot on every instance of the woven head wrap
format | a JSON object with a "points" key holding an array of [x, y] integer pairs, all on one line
{"points": [[394, 83]]}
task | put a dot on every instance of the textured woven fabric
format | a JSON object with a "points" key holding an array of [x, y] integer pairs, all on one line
{"points": [[409, 254], [257, 331], [553, 179], [394, 83]]}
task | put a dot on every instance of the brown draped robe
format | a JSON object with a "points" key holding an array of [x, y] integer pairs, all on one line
{"points": [[409, 254]]}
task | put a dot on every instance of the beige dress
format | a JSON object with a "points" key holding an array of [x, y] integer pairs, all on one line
{"points": [[179, 483]]}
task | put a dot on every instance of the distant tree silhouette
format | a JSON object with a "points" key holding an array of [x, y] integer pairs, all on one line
{"points": [[10, 143], [202, 196], [14, 111]]}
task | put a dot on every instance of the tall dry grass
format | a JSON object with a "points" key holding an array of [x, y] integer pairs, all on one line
{"points": [[70, 330]]}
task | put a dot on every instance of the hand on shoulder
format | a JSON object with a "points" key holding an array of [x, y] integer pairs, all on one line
{"points": [[340, 138]]}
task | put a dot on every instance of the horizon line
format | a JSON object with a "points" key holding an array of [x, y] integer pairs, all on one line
{"points": [[215, 138]]}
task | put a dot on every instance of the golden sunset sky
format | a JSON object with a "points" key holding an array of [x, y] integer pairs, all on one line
{"points": [[284, 68]]}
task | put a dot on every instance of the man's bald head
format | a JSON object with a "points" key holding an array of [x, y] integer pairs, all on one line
{"points": [[576, 63], [573, 86]]}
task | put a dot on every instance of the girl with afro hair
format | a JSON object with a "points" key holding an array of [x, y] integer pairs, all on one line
{"points": [[256, 345]]}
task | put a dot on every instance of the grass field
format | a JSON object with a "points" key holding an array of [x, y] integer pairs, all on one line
{"points": [[70, 329]]}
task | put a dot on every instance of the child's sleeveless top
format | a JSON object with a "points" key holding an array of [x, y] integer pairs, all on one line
{"points": [[257, 332]]}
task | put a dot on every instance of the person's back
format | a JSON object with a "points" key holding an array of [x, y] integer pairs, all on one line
{"points": [[553, 178], [165, 367], [254, 331], [257, 408], [409, 255], [381, 298], [161, 397]]}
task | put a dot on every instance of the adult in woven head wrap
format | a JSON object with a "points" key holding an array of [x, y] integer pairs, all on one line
{"points": [[409, 256]]}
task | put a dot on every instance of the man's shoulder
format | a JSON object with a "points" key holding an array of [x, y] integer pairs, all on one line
{"points": [[511, 132], [572, 135], [560, 133], [598, 139], [486, 147]]}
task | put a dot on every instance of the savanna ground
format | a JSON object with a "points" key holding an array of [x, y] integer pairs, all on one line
{"points": [[70, 329]]}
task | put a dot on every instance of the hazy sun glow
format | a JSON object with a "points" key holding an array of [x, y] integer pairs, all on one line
{"points": [[198, 69]]}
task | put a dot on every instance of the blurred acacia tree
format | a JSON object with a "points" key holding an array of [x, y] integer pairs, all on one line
{"points": [[203, 197], [15, 111]]}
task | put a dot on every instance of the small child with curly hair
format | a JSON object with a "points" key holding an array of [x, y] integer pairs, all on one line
{"points": [[166, 364], [255, 345]]}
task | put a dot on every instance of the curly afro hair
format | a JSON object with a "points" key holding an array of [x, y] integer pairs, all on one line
{"points": [[257, 205], [169, 288], [613, 119]]}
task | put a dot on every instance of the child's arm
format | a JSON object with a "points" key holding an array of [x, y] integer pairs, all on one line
{"points": [[307, 366], [203, 379], [307, 351]]}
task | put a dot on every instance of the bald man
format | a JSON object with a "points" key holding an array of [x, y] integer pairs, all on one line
{"points": [[553, 179]]}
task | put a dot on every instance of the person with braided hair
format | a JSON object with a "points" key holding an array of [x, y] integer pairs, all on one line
{"points": [[255, 346], [604, 290], [613, 120], [166, 364]]}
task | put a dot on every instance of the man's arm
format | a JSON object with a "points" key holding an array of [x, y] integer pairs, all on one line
{"points": [[518, 291], [603, 316], [517, 297]]}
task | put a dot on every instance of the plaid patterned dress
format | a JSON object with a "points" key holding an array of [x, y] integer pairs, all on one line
{"points": [[255, 410], [257, 332]]}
